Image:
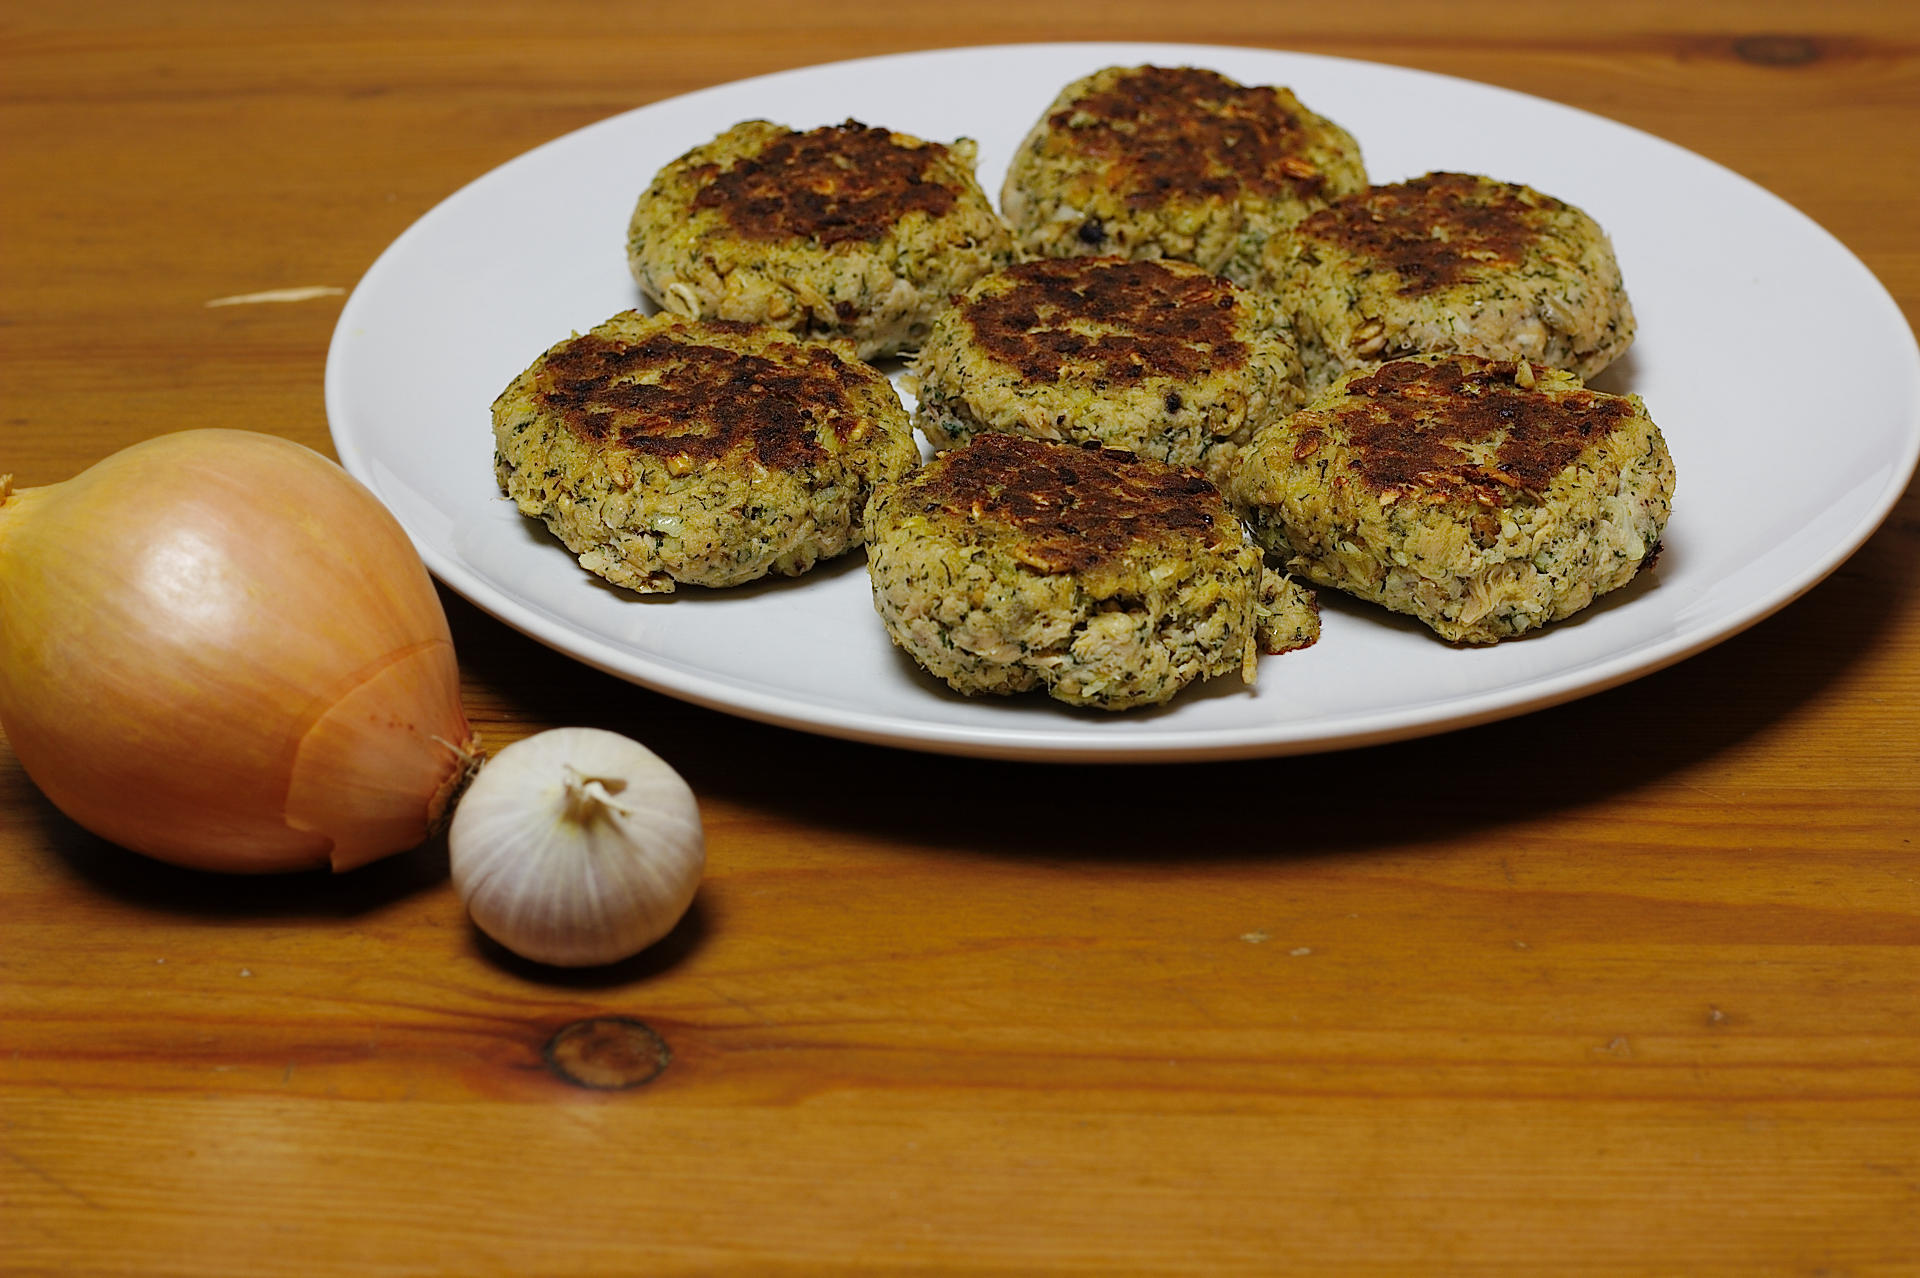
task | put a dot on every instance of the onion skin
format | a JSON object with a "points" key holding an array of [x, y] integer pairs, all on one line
{"points": [[220, 650]]}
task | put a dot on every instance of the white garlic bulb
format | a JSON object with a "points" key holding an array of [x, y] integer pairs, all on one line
{"points": [[577, 847]]}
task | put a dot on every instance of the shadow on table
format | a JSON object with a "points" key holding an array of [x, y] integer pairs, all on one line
{"points": [[307, 893], [1432, 789], [1429, 790]]}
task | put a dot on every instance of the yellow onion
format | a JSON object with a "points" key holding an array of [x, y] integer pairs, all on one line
{"points": [[217, 648]]}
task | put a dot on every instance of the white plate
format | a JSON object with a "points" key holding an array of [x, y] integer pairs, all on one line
{"points": [[1785, 379]]}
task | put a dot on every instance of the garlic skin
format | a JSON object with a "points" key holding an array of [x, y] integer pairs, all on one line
{"points": [[577, 847], [219, 649]]}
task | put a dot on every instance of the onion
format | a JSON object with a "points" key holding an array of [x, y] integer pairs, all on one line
{"points": [[218, 649]]}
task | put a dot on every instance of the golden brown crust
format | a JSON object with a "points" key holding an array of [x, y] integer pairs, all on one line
{"points": [[832, 184], [1173, 162], [672, 394], [1434, 231], [1068, 508], [1485, 497], [1161, 321], [844, 232], [666, 451], [1411, 429], [1166, 131]]}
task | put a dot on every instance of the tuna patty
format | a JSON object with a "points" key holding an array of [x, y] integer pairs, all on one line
{"points": [[1110, 581], [1485, 498], [1449, 262], [1179, 162], [844, 231], [663, 450], [1158, 358]]}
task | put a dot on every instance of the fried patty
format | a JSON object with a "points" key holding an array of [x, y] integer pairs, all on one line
{"points": [[1173, 162], [1449, 262], [1011, 564], [1159, 358], [846, 231], [1484, 497], [663, 450]]}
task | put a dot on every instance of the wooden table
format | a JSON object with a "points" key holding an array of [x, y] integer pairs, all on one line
{"points": [[1654, 1011]]}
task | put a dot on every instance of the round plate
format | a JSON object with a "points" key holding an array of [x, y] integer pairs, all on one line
{"points": [[1785, 379]]}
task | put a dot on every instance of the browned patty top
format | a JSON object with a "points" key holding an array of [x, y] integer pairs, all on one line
{"points": [[1434, 231], [1184, 131], [674, 394], [1066, 507], [1405, 424], [1162, 321], [831, 184]]}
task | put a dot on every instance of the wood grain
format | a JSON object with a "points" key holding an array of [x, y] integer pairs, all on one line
{"points": [[1628, 986]]}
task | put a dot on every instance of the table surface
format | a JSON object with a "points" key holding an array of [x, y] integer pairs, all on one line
{"points": [[1653, 1012]]}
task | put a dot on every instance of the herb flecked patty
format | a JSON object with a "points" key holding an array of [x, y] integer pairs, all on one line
{"points": [[1179, 162], [1449, 262], [843, 231], [1159, 358], [663, 450], [1485, 498], [1110, 581]]}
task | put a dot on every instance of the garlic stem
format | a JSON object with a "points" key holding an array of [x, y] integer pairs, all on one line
{"points": [[588, 797]]}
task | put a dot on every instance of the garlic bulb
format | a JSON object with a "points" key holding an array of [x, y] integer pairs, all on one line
{"points": [[218, 649], [577, 847]]}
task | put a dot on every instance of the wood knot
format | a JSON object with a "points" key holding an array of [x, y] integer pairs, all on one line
{"points": [[1776, 50], [606, 1053]]}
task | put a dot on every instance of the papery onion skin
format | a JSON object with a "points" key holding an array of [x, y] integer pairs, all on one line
{"points": [[218, 649]]}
